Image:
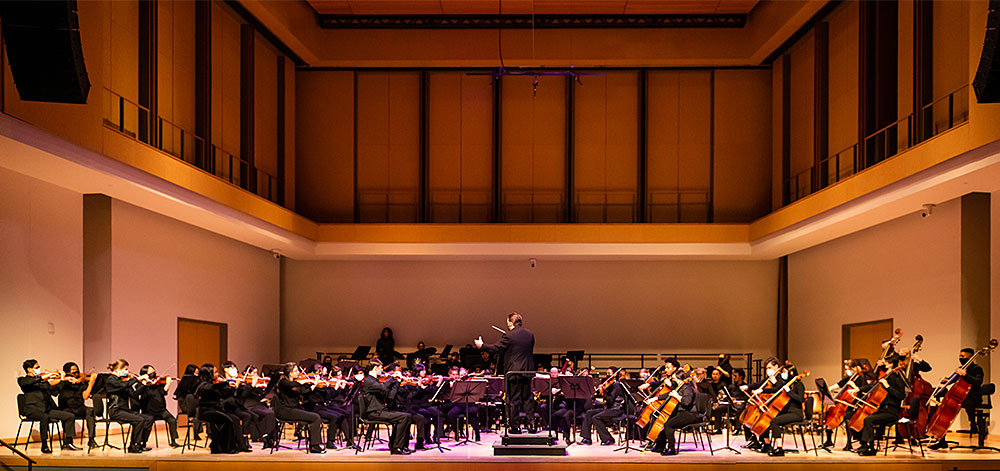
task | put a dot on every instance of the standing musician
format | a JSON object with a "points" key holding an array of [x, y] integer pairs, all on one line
{"points": [[121, 395], [854, 379], [38, 389], [888, 412], [153, 401], [973, 374], [517, 346], [74, 389], [287, 405], [376, 395], [682, 415], [614, 403], [792, 412]]}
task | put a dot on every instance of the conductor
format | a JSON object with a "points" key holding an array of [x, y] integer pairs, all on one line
{"points": [[517, 347]]}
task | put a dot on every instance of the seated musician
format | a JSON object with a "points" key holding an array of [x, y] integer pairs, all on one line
{"points": [[316, 401], [214, 408], [670, 366], [153, 401], [561, 409], [855, 379], [792, 412], [184, 393], [38, 390], [403, 402], [337, 402], [420, 403], [74, 389], [123, 405], [973, 374], [287, 404], [375, 396], [682, 415], [601, 417], [453, 410], [890, 408], [729, 400], [245, 403]]}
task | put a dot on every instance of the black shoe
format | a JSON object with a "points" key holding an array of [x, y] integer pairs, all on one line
{"points": [[867, 451], [938, 446], [669, 452], [400, 451], [477, 436], [92, 444], [174, 444], [419, 446], [331, 446], [828, 444], [515, 431], [848, 447], [69, 447], [268, 443], [586, 441], [776, 452], [656, 449], [316, 449], [134, 449], [765, 448], [531, 429], [608, 442], [46, 449]]}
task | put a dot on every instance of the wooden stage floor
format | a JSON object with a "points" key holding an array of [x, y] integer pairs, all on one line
{"points": [[479, 457]]}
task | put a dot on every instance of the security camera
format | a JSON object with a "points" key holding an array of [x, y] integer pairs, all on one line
{"points": [[532, 263], [276, 254], [927, 210]]}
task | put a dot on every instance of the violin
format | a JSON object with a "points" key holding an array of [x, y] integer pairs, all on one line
{"points": [[159, 381], [611, 380]]}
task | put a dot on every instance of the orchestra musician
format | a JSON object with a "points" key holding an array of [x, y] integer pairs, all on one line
{"points": [[38, 389], [316, 399], [683, 414], [287, 405], [855, 379], [74, 389], [420, 402], [517, 346], [337, 402], [730, 398], [376, 395], [122, 406], [792, 412], [215, 407], [153, 402], [890, 408], [453, 410], [402, 403], [600, 417], [562, 411], [973, 374], [245, 403]]}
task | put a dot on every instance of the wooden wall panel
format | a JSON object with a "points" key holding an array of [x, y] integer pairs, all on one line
{"points": [[460, 147], [605, 147], [388, 147], [265, 114], [843, 82], [742, 186], [802, 98], [324, 145], [122, 60], [533, 149], [225, 78], [176, 64]]}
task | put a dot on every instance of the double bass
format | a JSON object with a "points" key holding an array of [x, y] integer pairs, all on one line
{"points": [[666, 410], [920, 390], [951, 403], [871, 402], [774, 405]]}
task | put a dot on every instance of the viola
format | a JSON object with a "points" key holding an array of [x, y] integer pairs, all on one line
{"points": [[951, 403], [871, 402], [774, 406], [611, 380], [666, 410]]}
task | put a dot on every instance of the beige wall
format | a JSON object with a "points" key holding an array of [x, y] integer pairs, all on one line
{"points": [[41, 282], [595, 306], [908, 269], [163, 269]]}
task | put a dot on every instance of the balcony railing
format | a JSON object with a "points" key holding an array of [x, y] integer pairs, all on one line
{"points": [[605, 206], [129, 118], [666, 206], [935, 118], [460, 206], [533, 206], [387, 206]]}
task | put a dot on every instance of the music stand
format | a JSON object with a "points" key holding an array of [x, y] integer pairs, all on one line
{"points": [[824, 393], [573, 388], [467, 391], [437, 426], [446, 351], [628, 396], [361, 352], [730, 417]]}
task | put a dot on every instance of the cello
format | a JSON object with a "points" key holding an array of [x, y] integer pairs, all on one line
{"points": [[843, 401], [774, 405], [652, 407], [951, 403], [871, 402], [666, 410], [755, 404]]}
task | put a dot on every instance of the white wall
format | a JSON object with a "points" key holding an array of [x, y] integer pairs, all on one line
{"points": [[41, 282], [908, 269], [163, 269], [598, 306]]}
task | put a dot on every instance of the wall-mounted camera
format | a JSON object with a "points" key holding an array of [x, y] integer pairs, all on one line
{"points": [[276, 254], [532, 263], [927, 210]]}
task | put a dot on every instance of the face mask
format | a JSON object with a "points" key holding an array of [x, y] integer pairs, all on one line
{"points": [[784, 375], [151, 374], [849, 372], [770, 372], [38, 371], [961, 361]]}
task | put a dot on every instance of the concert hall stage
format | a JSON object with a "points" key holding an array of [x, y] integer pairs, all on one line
{"points": [[479, 457]]}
